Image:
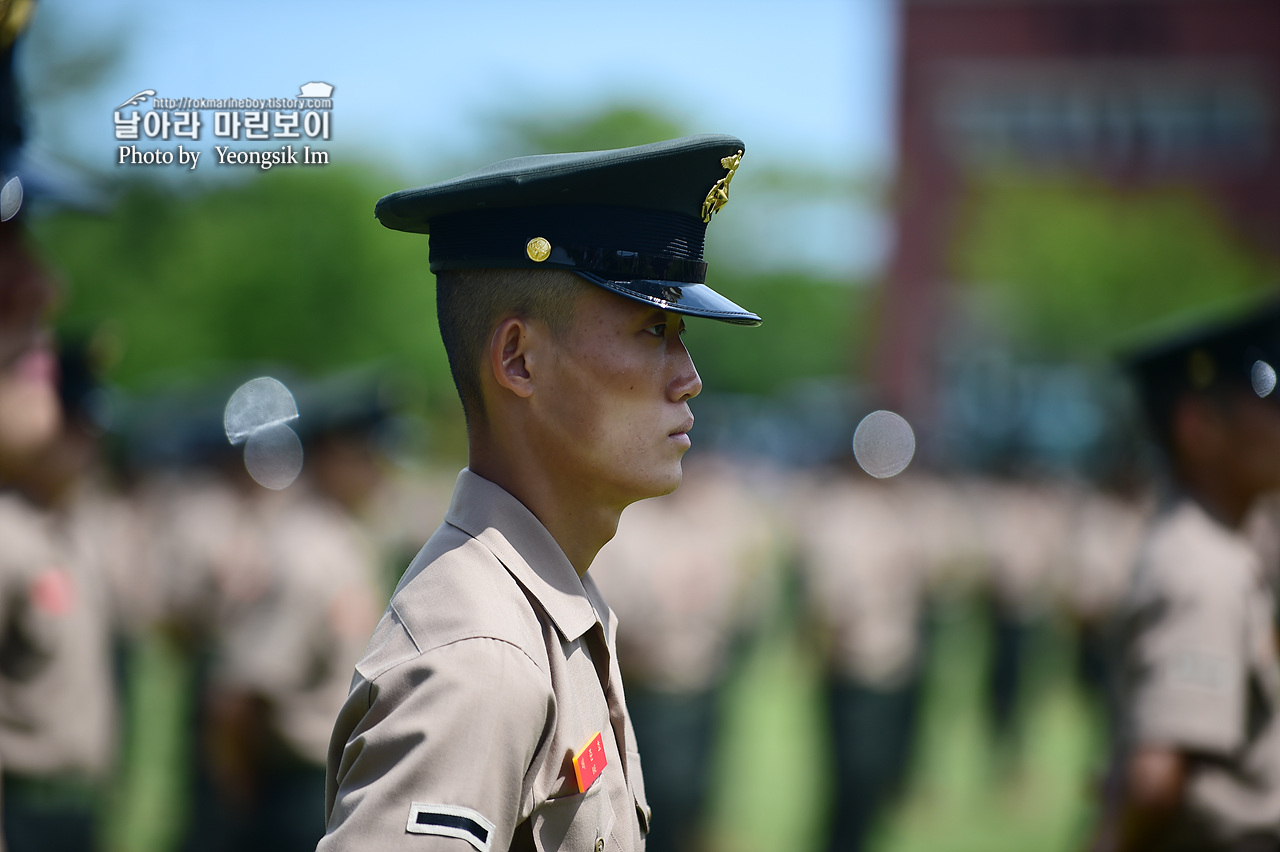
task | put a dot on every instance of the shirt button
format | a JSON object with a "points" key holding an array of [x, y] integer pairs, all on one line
{"points": [[599, 844]]}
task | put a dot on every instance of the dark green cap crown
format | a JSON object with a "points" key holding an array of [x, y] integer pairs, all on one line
{"points": [[632, 220]]}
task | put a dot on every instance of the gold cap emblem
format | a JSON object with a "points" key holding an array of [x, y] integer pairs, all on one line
{"points": [[538, 249], [719, 194]]}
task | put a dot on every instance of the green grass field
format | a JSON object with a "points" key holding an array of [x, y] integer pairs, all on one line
{"points": [[963, 796], [772, 793]]}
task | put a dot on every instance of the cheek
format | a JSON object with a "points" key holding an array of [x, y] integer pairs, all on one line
{"points": [[1260, 453], [30, 416], [611, 404]]}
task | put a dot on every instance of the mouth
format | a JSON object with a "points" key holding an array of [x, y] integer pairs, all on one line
{"points": [[682, 433]]}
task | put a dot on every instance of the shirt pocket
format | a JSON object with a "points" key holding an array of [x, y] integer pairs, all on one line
{"points": [[637, 787], [573, 823]]}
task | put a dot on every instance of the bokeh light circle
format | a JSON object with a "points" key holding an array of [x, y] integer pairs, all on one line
{"points": [[1263, 376], [256, 405], [884, 444], [10, 199], [273, 456]]}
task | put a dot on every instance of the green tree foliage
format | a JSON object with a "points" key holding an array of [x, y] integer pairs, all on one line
{"points": [[288, 268], [1072, 268]]}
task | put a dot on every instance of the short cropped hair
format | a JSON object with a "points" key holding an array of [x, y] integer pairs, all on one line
{"points": [[471, 302]]}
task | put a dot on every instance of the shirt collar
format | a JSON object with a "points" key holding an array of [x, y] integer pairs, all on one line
{"points": [[503, 524]]}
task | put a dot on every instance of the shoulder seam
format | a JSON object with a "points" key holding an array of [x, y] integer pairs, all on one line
{"points": [[421, 651]]}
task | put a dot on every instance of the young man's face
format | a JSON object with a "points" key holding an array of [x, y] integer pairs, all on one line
{"points": [[615, 398], [1254, 438]]}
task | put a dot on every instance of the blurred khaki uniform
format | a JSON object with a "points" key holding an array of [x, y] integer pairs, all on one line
{"points": [[296, 644], [57, 698], [1102, 547], [1024, 528], [1262, 527], [493, 665], [278, 593], [57, 713], [209, 550], [865, 554], [1201, 675], [112, 533], [1106, 531]]}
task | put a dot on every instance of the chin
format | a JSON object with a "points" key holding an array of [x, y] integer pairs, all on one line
{"points": [[659, 485], [672, 482]]}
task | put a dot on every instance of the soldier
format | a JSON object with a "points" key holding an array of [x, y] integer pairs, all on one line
{"points": [[488, 710], [57, 710], [282, 658], [1023, 536], [1198, 764], [866, 557], [272, 594]]}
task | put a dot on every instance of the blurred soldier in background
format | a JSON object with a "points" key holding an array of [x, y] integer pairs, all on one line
{"points": [[1198, 765], [285, 660], [1106, 528], [686, 601], [274, 593], [57, 713], [1022, 526], [864, 558]]}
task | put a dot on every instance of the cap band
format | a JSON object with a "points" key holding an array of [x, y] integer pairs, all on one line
{"points": [[618, 243], [612, 264]]}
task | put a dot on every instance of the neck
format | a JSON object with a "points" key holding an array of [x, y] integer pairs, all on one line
{"points": [[579, 522]]}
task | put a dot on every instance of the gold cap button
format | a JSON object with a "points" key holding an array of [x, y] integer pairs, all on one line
{"points": [[538, 249], [599, 844]]}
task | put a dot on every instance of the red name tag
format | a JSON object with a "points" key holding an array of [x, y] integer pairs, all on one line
{"points": [[589, 763]]}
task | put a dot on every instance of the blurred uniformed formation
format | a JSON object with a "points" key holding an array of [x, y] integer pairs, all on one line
{"points": [[57, 698], [273, 595], [866, 556], [878, 565], [885, 564], [691, 576]]}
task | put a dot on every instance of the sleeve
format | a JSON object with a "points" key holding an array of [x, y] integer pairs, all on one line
{"points": [[1189, 666], [435, 753]]}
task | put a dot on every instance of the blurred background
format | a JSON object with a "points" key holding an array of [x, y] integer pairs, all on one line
{"points": [[958, 210]]}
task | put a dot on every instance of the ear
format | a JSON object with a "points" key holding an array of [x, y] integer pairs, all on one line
{"points": [[510, 356]]}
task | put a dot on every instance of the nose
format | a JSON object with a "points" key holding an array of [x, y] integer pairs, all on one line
{"points": [[686, 384]]}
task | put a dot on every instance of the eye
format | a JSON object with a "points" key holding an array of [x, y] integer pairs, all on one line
{"points": [[659, 330]]}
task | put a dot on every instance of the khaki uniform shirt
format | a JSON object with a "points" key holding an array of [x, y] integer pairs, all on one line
{"points": [[492, 667], [865, 572], [57, 699], [1201, 674], [295, 645], [1024, 531]]}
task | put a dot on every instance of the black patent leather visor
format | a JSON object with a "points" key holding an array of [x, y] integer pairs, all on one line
{"points": [[695, 300]]}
